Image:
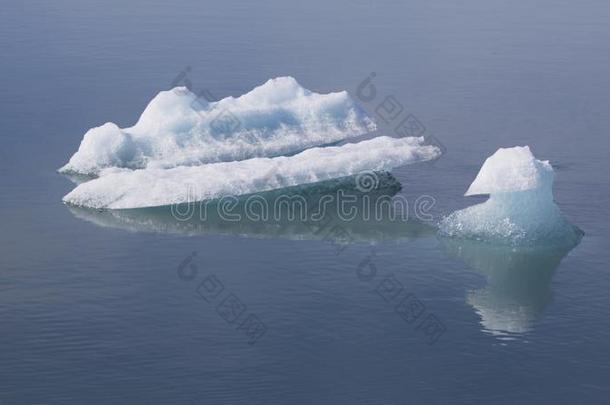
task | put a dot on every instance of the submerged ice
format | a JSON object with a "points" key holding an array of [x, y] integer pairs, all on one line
{"points": [[122, 189], [520, 209], [178, 128]]}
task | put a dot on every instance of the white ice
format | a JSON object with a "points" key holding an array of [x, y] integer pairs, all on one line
{"points": [[179, 128], [520, 208], [120, 189]]}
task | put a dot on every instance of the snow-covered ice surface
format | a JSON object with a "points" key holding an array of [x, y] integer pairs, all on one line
{"points": [[179, 128], [520, 209], [124, 188]]}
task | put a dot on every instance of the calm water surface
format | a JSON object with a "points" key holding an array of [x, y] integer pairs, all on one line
{"points": [[103, 308]]}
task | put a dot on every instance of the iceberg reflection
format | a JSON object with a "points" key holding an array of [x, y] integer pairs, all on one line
{"points": [[518, 282]]}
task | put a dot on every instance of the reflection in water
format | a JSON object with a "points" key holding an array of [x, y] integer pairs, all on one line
{"points": [[518, 282], [518, 278], [337, 210]]}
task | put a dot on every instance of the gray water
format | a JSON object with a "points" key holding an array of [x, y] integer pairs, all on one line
{"points": [[97, 307]]}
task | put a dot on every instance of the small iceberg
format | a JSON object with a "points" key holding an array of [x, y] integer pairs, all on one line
{"points": [[154, 187], [520, 209], [179, 128]]}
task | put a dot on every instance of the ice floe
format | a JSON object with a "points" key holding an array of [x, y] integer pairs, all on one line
{"points": [[150, 187]]}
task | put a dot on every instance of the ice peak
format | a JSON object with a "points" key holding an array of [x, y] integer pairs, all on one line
{"points": [[510, 170]]}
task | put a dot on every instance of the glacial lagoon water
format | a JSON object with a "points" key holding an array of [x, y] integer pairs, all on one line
{"points": [[137, 307]]}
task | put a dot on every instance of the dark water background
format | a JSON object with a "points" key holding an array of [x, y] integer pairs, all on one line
{"points": [[92, 309]]}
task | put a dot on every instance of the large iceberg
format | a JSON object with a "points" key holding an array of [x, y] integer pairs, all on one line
{"points": [[151, 187], [520, 209], [179, 128], [264, 215]]}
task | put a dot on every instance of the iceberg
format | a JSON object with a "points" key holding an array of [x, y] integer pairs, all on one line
{"points": [[262, 215], [179, 128], [153, 187], [520, 209]]}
